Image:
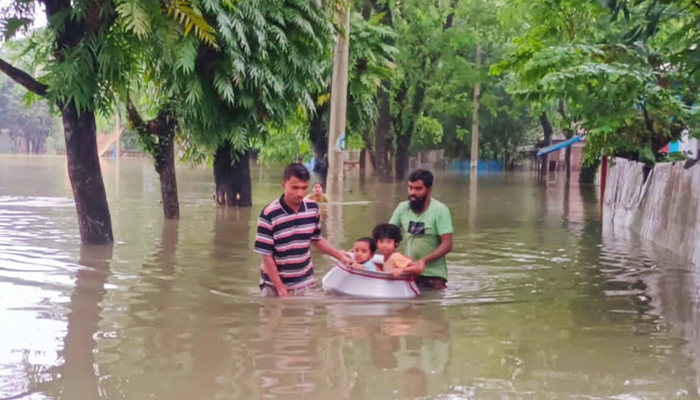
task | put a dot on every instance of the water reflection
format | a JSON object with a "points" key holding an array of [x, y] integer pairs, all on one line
{"points": [[79, 374], [334, 227], [473, 200], [400, 345], [284, 357]]}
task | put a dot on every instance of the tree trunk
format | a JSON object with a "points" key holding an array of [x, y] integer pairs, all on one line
{"points": [[162, 130], [86, 177], [363, 161], [568, 134], [567, 163], [547, 129], [367, 10], [40, 145], [508, 161], [382, 138], [367, 150], [382, 168], [474, 149], [402, 145], [404, 135], [242, 176], [225, 195], [587, 175], [232, 177], [165, 165]]}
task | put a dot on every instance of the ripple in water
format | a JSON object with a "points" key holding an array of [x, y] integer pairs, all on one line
{"points": [[541, 304]]}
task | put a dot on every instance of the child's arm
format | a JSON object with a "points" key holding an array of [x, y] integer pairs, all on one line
{"points": [[388, 265], [396, 264], [413, 269]]}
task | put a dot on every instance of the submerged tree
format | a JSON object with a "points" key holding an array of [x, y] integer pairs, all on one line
{"points": [[81, 59], [159, 78], [269, 59]]}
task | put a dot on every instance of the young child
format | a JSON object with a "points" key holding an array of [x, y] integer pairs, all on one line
{"points": [[363, 251], [318, 196], [388, 237]]}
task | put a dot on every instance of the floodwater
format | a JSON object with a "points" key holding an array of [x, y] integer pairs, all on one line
{"points": [[541, 303]]}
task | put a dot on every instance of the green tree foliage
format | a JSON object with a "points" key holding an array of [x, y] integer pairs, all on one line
{"points": [[423, 42], [506, 126], [287, 143], [370, 62], [432, 93], [268, 63], [629, 95]]}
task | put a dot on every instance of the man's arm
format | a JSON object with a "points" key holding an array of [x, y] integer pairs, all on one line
{"points": [[326, 248], [442, 250], [445, 247], [444, 229], [271, 270], [265, 246]]}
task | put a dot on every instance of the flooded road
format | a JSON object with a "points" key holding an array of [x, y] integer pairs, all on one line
{"points": [[541, 304]]}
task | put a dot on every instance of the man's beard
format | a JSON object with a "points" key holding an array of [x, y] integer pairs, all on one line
{"points": [[417, 203]]}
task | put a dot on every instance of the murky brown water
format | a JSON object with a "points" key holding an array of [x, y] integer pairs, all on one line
{"points": [[541, 305]]}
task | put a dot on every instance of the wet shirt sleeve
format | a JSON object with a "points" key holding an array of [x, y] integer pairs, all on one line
{"points": [[264, 240], [396, 217], [443, 221]]}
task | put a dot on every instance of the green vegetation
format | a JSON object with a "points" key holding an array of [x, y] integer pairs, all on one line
{"points": [[222, 81]]}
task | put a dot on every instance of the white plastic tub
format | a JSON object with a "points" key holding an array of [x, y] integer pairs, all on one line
{"points": [[347, 281]]}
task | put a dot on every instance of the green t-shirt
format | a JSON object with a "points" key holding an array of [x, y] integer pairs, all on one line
{"points": [[422, 233]]}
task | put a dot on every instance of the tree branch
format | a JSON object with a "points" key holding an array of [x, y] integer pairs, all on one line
{"points": [[23, 78], [695, 4], [562, 109], [134, 116], [451, 16]]}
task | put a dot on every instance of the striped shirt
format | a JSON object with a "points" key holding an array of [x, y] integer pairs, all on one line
{"points": [[287, 236]]}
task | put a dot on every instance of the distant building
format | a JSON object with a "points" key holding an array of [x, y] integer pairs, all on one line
{"points": [[557, 159]]}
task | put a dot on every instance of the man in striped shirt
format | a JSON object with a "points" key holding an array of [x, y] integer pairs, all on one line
{"points": [[286, 229]]}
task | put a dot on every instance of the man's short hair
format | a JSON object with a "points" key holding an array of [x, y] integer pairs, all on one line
{"points": [[422, 175], [298, 171]]}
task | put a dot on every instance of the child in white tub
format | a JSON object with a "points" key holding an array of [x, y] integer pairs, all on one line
{"points": [[363, 251]]}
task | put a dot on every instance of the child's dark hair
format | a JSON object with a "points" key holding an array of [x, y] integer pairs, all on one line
{"points": [[372, 244], [387, 231]]}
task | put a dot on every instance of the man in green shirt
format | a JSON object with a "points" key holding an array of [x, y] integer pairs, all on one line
{"points": [[427, 227]]}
